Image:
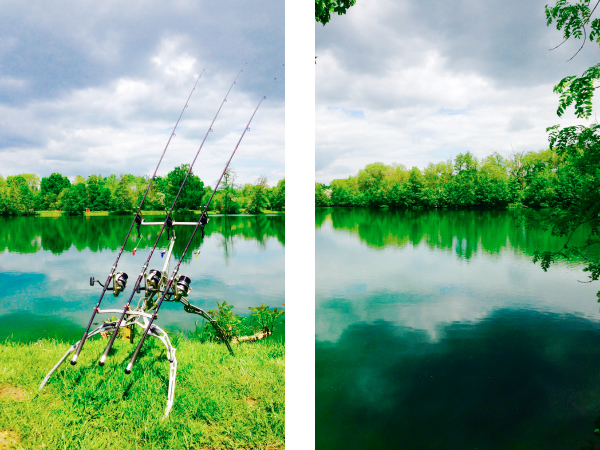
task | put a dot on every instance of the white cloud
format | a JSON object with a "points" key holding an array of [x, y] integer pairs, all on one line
{"points": [[98, 90], [429, 87]]}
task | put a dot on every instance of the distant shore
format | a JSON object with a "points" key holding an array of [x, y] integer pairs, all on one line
{"points": [[150, 213]]}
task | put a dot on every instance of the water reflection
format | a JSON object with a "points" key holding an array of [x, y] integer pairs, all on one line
{"points": [[518, 379], [464, 232], [435, 331], [47, 263], [32, 234]]}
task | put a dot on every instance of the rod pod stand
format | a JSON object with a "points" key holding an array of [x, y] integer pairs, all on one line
{"points": [[135, 220], [168, 223], [138, 317]]}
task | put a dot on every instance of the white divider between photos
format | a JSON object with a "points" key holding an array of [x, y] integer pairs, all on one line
{"points": [[300, 224]]}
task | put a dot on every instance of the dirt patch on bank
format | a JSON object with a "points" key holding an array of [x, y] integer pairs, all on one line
{"points": [[13, 393], [8, 440], [251, 401]]}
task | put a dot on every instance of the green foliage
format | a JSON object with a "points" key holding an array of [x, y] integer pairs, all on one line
{"points": [[75, 199], [573, 19], [460, 184], [124, 196], [259, 199], [15, 196], [54, 184], [191, 194], [574, 166], [278, 196], [98, 197], [321, 197], [25, 194], [226, 201], [262, 318], [325, 8]]}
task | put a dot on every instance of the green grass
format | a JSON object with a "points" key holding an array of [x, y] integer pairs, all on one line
{"points": [[221, 401], [49, 213]]}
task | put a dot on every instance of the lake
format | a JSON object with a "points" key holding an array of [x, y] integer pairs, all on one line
{"points": [[46, 264], [434, 330]]}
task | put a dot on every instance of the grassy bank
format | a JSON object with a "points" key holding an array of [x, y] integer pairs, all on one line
{"points": [[221, 401]]}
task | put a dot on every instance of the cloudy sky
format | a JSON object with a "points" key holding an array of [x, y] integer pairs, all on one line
{"points": [[96, 87], [417, 81]]}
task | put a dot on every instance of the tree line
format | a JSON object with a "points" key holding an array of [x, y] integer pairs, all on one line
{"points": [[533, 179], [25, 194]]}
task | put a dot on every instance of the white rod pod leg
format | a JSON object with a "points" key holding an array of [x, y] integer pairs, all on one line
{"points": [[71, 350], [164, 338], [172, 377]]}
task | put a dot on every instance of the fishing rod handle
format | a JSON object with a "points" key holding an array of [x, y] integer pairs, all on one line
{"points": [[87, 330], [79, 347]]}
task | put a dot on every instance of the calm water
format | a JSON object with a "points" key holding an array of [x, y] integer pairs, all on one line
{"points": [[436, 331], [46, 264]]}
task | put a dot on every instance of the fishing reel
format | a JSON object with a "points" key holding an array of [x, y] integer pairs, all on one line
{"points": [[119, 283], [182, 288], [153, 280]]}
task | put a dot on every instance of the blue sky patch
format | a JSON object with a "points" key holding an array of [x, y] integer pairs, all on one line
{"points": [[356, 113], [451, 112]]}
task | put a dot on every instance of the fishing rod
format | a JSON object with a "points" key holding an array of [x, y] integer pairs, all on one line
{"points": [[182, 285], [168, 223], [120, 279]]}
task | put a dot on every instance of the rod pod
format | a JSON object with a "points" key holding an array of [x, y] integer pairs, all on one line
{"points": [[135, 220], [166, 222]]}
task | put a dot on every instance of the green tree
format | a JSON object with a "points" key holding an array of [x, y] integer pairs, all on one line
{"points": [[192, 192], [259, 200], [17, 197], [75, 199], [227, 203], [325, 8], [123, 199], [345, 192], [321, 198], [99, 198], [578, 147], [278, 198], [50, 188]]}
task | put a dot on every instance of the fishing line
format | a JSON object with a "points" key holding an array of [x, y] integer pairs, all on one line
{"points": [[184, 285], [136, 220], [136, 246], [167, 223]]}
